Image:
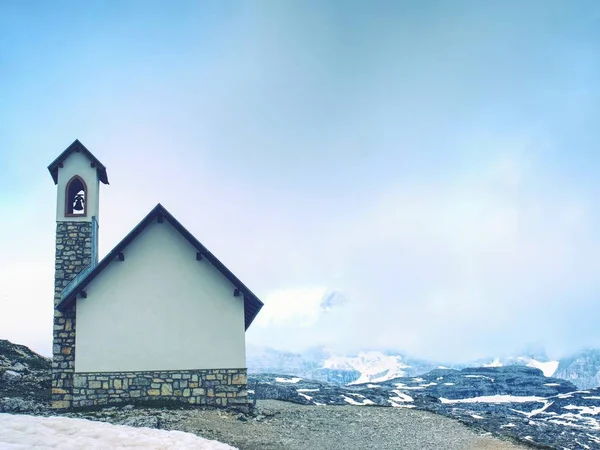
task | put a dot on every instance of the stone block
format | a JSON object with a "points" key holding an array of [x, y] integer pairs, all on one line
{"points": [[61, 404], [117, 383], [153, 392], [239, 378], [197, 391], [141, 381], [166, 389], [95, 385]]}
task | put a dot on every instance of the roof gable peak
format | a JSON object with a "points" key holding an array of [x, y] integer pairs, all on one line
{"points": [[77, 146]]}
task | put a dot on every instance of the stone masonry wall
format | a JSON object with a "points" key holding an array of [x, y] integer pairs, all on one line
{"points": [[211, 387], [73, 254]]}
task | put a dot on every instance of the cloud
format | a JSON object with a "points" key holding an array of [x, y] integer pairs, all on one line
{"points": [[461, 268], [292, 307]]}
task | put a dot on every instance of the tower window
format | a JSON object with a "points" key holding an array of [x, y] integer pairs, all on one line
{"points": [[76, 197]]}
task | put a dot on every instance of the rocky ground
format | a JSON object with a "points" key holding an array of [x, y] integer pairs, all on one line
{"points": [[485, 408], [277, 425]]}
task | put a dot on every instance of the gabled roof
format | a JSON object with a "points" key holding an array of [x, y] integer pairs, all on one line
{"points": [[252, 304], [77, 146]]}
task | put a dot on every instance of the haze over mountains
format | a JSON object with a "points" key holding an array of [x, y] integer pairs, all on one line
{"points": [[372, 364], [375, 366]]}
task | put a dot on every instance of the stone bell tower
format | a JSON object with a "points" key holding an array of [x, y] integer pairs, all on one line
{"points": [[77, 174]]}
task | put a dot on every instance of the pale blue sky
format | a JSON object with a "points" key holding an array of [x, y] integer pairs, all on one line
{"points": [[437, 162]]}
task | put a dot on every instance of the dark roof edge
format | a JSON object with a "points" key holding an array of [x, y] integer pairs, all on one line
{"points": [[76, 145], [252, 304]]}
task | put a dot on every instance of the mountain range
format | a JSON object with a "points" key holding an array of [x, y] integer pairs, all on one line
{"points": [[374, 366]]}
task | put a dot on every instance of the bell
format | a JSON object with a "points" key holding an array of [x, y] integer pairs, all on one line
{"points": [[78, 205]]}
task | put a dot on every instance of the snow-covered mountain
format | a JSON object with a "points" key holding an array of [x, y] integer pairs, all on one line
{"points": [[548, 367], [325, 365], [374, 366], [582, 368]]}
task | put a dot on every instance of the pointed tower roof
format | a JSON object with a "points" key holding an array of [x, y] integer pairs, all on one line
{"points": [[77, 146]]}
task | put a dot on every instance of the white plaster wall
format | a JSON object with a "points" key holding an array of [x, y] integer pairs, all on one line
{"points": [[77, 164], [160, 309]]}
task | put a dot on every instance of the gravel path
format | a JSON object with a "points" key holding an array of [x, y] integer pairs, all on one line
{"points": [[289, 426]]}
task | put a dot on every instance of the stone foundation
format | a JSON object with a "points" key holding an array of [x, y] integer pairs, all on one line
{"points": [[211, 387], [73, 254]]}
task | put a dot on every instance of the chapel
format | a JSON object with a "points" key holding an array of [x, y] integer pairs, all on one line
{"points": [[159, 318]]}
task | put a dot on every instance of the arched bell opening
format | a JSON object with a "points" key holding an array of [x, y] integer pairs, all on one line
{"points": [[76, 198]]}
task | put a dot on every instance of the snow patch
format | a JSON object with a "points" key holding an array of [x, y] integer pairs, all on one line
{"points": [[365, 402], [399, 405], [24, 432], [539, 410], [593, 410], [401, 397], [404, 386], [495, 363], [288, 380], [307, 397], [547, 367], [495, 399], [480, 376]]}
